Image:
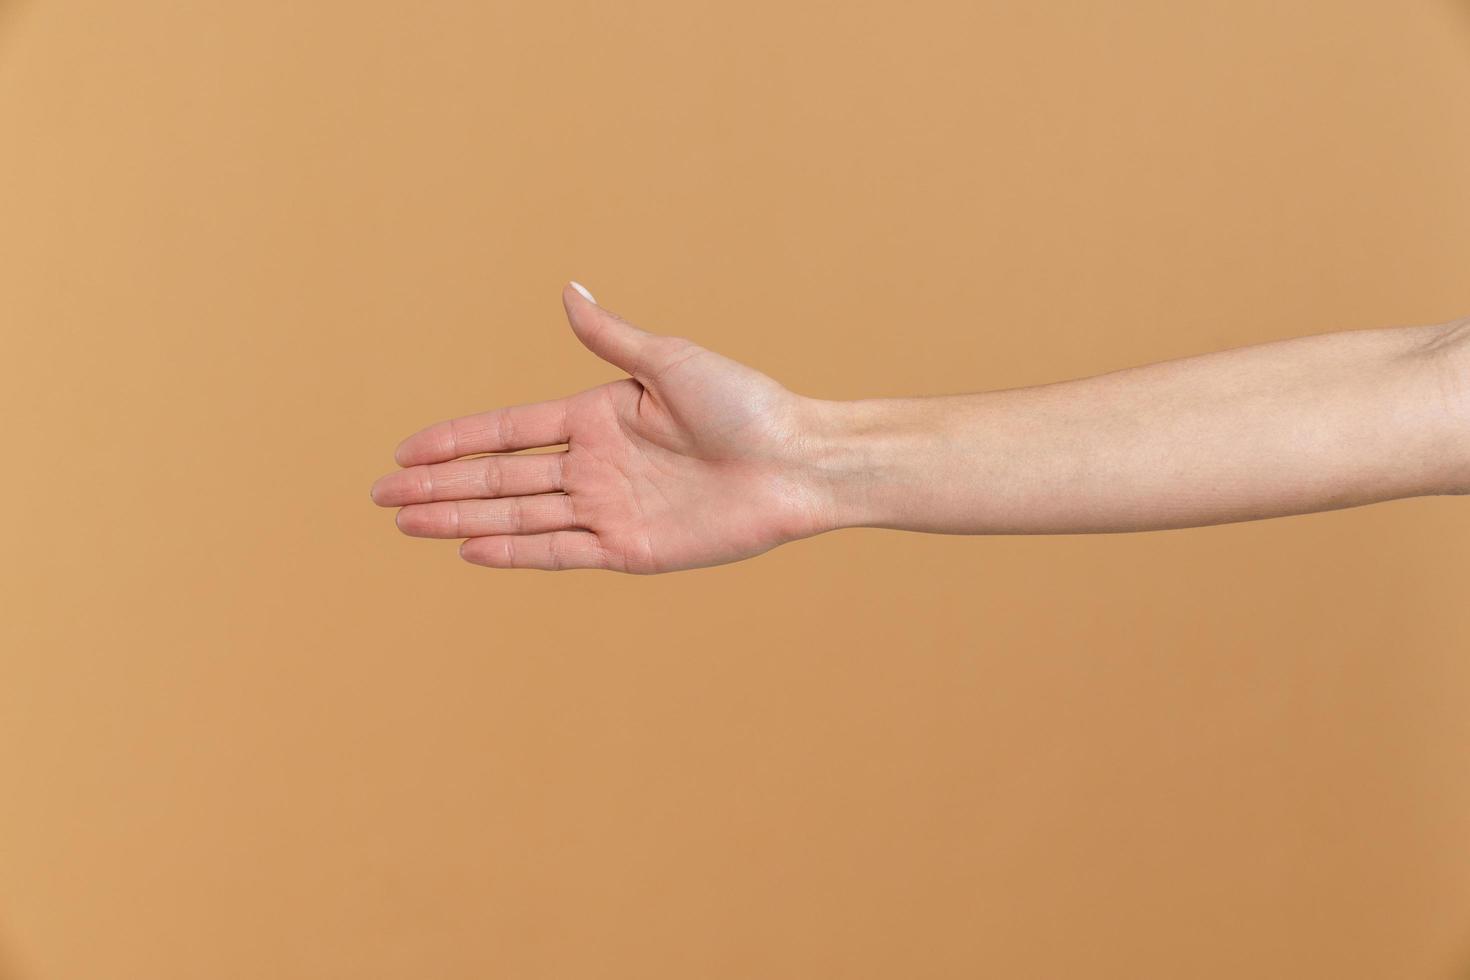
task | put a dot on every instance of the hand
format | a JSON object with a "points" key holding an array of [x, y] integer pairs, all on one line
{"points": [[693, 460]]}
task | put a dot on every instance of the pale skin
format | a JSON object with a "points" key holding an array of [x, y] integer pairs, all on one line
{"points": [[693, 459]]}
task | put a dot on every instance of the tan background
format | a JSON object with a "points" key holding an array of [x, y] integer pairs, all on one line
{"points": [[246, 730]]}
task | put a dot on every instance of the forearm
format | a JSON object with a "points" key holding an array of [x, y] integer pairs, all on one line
{"points": [[1310, 424]]}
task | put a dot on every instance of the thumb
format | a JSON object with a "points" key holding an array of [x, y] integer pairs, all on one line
{"points": [[606, 334]]}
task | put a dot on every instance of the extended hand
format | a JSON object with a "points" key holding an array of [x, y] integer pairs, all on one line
{"points": [[697, 460], [690, 461]]}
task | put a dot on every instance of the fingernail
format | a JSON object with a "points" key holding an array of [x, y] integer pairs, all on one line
{"points": [[583, 290]]}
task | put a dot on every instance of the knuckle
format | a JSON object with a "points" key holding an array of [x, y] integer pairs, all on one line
{"points": [[505, 428], [448, 438], [492, 478]]}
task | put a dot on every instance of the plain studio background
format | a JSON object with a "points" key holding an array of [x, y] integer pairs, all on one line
{"points": [[247, 730]]}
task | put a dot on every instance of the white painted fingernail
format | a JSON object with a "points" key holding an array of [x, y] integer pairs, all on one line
{"points": [[583, 290]]}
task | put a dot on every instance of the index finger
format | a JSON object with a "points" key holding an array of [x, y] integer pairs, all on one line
{"points": [[504, 430]]}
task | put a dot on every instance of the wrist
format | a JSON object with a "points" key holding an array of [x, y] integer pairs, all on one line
{"points": [[854, 456]]}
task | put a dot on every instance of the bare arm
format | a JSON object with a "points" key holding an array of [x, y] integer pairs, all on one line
{"points": [[1302, 425], [694, 459]]}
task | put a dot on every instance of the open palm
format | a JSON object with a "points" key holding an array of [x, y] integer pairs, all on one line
{"points": [[690, 461]]}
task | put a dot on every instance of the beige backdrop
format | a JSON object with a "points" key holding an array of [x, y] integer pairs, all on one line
{"points": [[247, 730]]}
